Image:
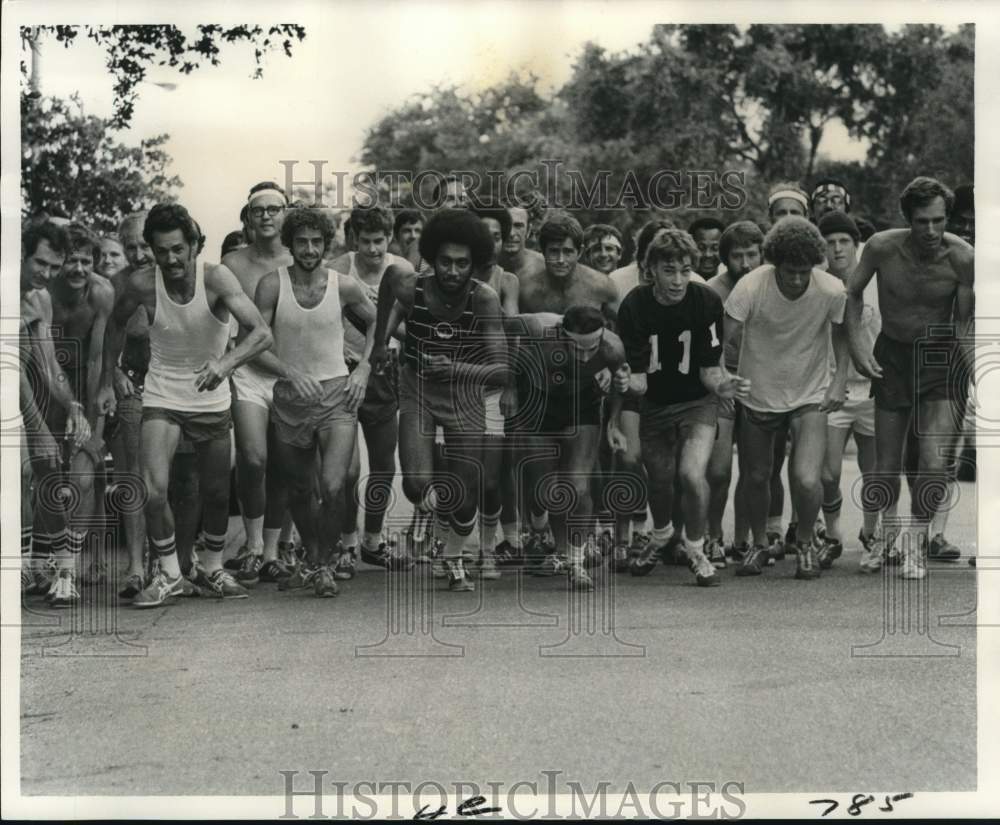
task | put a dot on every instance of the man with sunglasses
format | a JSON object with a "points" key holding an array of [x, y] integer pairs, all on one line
{"points": [[262, 495]]}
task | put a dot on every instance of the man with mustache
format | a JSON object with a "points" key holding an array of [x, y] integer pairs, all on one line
{"points": [[922, 357]]}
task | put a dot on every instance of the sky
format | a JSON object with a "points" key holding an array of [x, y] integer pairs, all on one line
{"points": [[228, 131]]}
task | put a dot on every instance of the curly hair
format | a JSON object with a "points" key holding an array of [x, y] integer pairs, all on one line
{"points": [[166, 217], [796, 241], [737, 235], [670, 245], [47, 231], [498, 214], [461, 227], [923, 191], [557, 228], [405, 216], [80, 237], [372, 219], [306, 218]]}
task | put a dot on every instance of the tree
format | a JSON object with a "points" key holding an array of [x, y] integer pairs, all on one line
{"points": [[73, 161], [131, 50]]}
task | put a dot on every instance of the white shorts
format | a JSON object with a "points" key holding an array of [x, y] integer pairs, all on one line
{"points": [[857, 415], [494, 418], [253, 386]]}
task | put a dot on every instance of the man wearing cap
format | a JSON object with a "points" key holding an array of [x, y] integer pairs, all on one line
{"points": [[926, 278], [261, 492], [787, 199], [858, 413]]}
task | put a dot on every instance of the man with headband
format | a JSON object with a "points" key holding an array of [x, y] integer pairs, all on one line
{"points": [[602, 247], [558, 363], [259, 485], [787, 199], [829, 195], [673, 337]]}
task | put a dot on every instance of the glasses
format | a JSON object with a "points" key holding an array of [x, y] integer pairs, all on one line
{"points": [[272, 211]]}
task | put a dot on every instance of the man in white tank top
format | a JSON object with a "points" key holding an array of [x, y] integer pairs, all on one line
{"points": [[378, 412], [187, 391], [260, 487], [316, 397]]}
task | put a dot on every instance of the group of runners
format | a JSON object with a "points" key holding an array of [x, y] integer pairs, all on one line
{"points": [[546, 405]]}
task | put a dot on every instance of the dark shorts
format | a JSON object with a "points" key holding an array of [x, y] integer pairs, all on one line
{"points": [[541, 412], [668, 423], [381, 402], [196, 427], [299, 423], [455, 407], [632, 403], [928, 370], [776, 422], [94, 448], [127, 422], [732, 413]]}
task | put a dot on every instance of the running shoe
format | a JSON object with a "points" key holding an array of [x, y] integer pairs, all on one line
{"points": [[792, 538], [64, 592], [914, 562], [488, 566], [131, 588], [302, 576], [439, 569], [249, 573], [346, 565], [806, 567], [218, 584], [536, 548], [703, 569], [287, 554], [716, 554], [672, 553], [642, 564], [41, 584], [619, 558], [579, 578], [593, 556], [379, 557], [458, 581], [828, 551], [551, 565], [738, 552], [775, 548], [943, 550], [161, 588], [274, 571], [891, 556], [754, 561], [236, 562], [97, 572], [507, 555], [324, 584], [27, 579], [872, 552]]}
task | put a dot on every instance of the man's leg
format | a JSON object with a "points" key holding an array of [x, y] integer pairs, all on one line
{"points": [[158, 443], [125, 453], [931, 487], [416, 462], [756, 457], [630, 528], [381, 438], [350, 506], [881, 490], [776, 507], [576, 466], [463, 465], [490, 508], [212, 456], [806, 486], [659, 457], [275, 510], [250, 424], [866, 464], [697, 442], [299, 465], [833, 500], [337, 442], [536, 473]]}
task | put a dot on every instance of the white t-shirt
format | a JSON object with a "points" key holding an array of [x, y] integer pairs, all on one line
{"points": [[786, 349]]}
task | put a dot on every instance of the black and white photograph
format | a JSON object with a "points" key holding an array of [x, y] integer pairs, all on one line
{"points": [[502, 410]]}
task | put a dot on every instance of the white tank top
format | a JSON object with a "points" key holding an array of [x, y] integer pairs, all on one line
{"points": [[182, 337], [311, 340], [354, 339]]}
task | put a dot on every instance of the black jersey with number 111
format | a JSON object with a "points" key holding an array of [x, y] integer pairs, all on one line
{"points": [[671, 344]]}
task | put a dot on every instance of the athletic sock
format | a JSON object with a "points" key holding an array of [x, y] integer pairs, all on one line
{"points": [[773, 524], [576, 554], [488, 529], [512, 533], [457, 535], [442, 529], [287, 532], [166, 551], [831, 517], [349, 540], [661, 535], [371, 541], [694, 547], [214, 546], [272, 535], [540, 523], [254, 528]]}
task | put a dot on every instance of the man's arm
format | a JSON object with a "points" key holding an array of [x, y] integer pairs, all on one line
{"points": [[610, 300], [354, 300], [965, 307], [509, 291], [397, 285], [102, 296], [226, 288], [857, 347], [56, 380]]}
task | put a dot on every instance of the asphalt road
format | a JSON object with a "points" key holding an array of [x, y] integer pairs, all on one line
{"points": [[844, 683]]}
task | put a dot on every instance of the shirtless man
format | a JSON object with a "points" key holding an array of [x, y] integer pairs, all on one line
{"points": [[602, 245], [81, 305], [316, 398], [559, 395], [377, 414], [786, 199], [514, 256], [186, 392], [925, 280], [42, 384], [406, 229], [259, 483], [454, 350]]}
